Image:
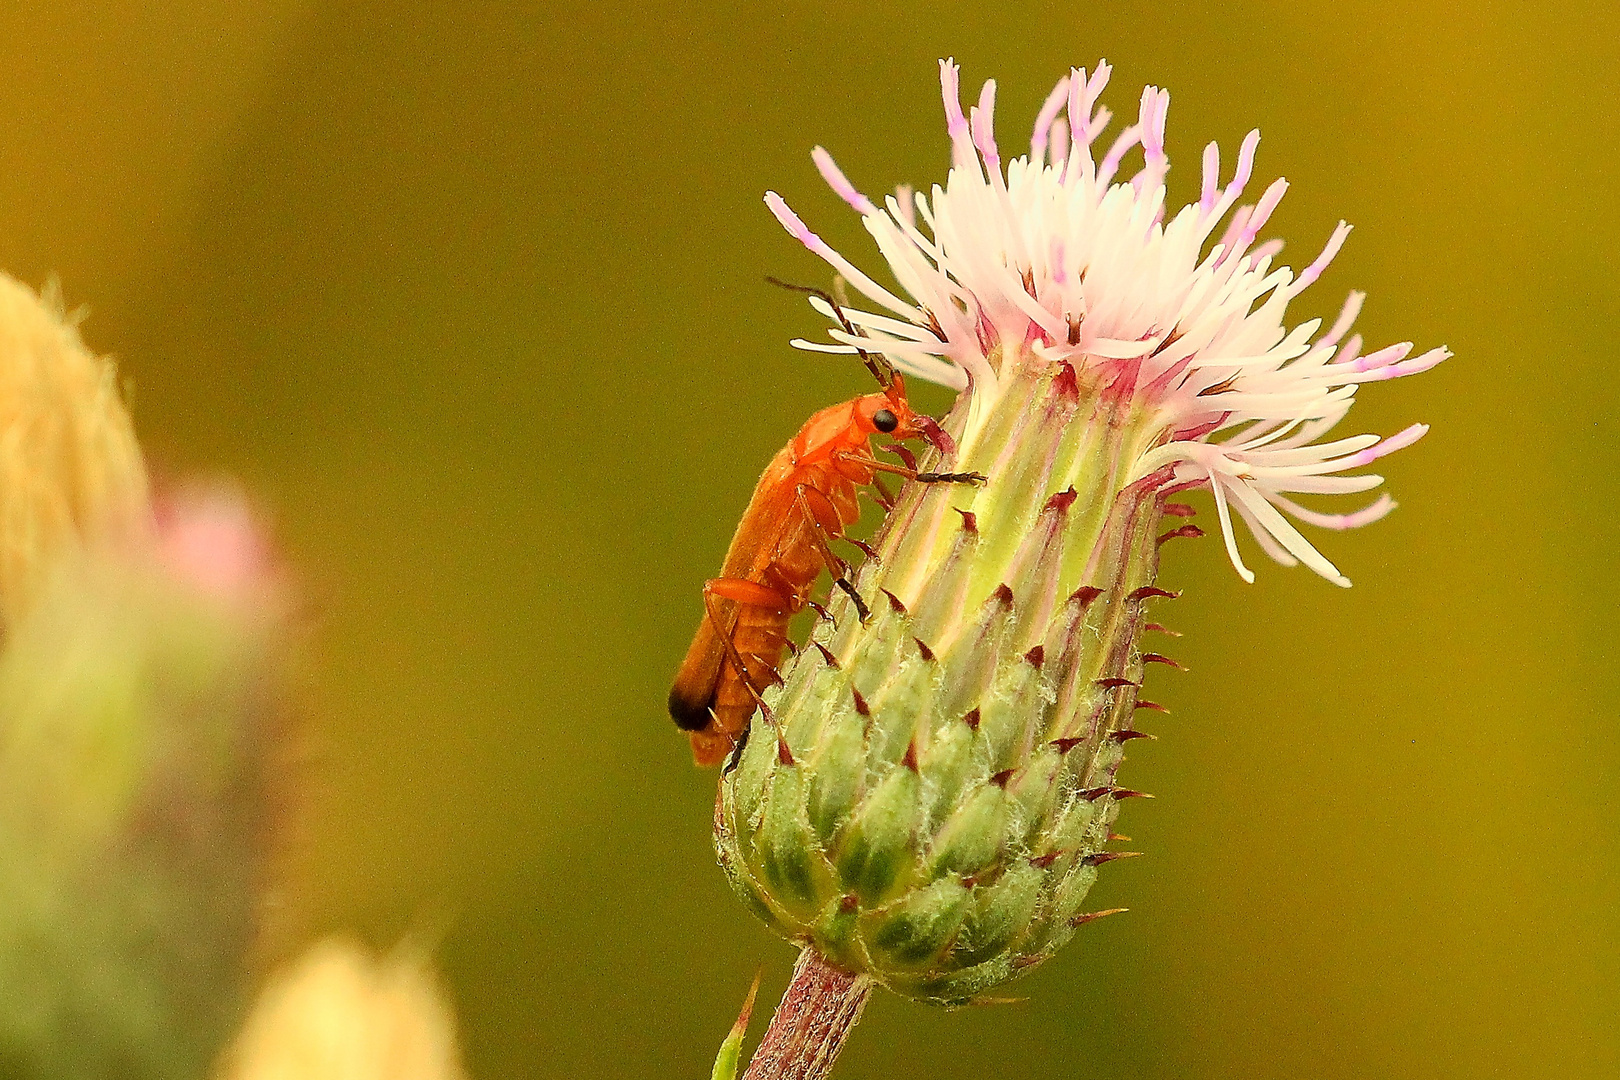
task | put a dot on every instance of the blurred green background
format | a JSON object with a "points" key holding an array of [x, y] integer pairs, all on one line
{"points": [[470, 295]]}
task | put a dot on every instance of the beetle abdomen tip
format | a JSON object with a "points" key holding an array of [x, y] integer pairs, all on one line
{"points": [[689, 714]]}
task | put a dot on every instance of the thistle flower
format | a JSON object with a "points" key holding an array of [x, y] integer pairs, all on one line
{"points": [[928, 796]]}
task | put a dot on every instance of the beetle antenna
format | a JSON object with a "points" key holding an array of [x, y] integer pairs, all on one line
{"points": [[880, 368]]}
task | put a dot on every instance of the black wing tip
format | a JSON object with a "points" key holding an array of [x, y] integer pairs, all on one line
{"points": [[688, 714]]}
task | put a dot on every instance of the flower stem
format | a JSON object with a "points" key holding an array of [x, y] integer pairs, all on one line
{"points": [[817, 1013]]}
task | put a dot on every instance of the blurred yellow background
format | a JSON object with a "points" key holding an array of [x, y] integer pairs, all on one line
{"points": [[471, 297]]}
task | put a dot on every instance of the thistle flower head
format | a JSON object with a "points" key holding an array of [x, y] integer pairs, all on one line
{"points": [[1054, 257], [928, 793]]}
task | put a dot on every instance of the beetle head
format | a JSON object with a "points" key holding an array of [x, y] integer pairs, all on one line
{"points": [[889, 412]]}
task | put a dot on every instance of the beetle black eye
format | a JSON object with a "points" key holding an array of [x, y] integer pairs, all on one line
{"points": [[885, 421]]}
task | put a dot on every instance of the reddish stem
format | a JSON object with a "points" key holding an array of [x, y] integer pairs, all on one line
{"points": [[818, 1011]]}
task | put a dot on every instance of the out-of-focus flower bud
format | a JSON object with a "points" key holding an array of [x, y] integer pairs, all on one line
{"points": [[71, 474], [139, 697], [339, 1014]]}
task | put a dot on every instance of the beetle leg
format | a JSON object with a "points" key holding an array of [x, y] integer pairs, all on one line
{"points": [[866, 461], [741, 592], [819, 537], [882, 496], [737, 748], [862, 546]]}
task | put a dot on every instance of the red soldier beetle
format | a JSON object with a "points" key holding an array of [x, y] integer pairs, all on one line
{"points": [[805, 499]]}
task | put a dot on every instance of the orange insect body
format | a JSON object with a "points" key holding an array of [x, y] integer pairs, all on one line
{"points": [[806, 497]]}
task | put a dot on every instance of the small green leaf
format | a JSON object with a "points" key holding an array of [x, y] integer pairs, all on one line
{"points": [[726, 1062]]}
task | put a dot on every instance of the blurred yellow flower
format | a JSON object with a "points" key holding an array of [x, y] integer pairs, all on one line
{"points": [[71, 474], [340, 1014]]}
